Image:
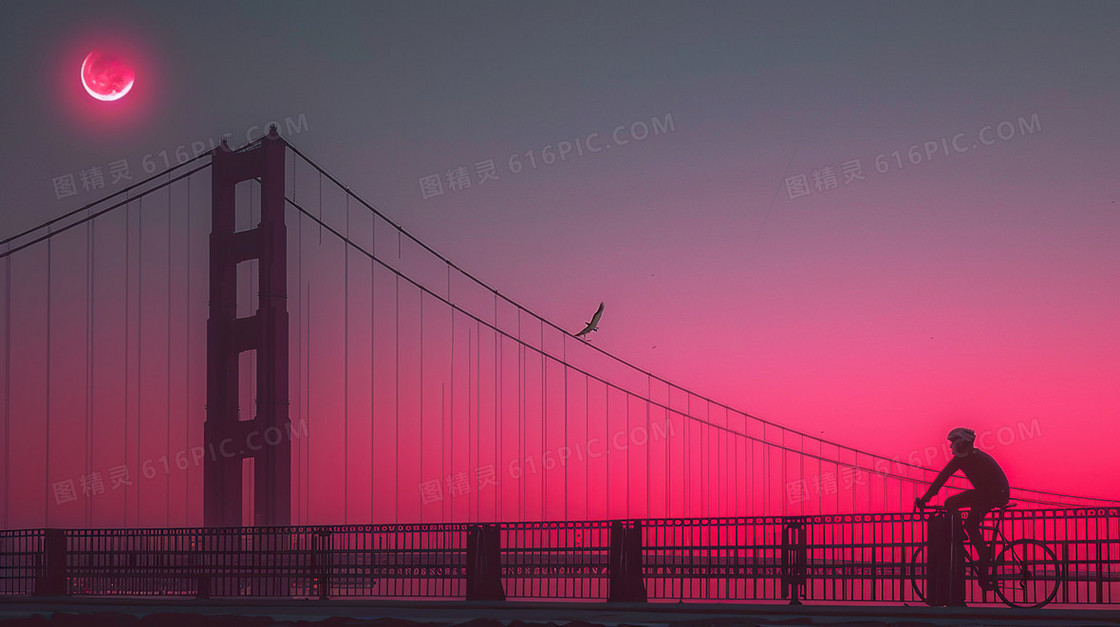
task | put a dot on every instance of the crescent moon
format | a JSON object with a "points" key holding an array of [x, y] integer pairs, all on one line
{"points": [[106, 77]]}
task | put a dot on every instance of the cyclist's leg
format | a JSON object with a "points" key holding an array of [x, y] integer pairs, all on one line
{"points": [[976, 516], [987, 502], [978, 508], [961, 500]]}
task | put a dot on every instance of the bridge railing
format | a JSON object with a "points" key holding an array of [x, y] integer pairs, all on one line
{"points": [[870, 558], [556, 560], [300, 562], [22, 561]]}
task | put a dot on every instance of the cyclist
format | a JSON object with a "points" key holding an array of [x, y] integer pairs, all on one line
{"points": [[989, 491]]}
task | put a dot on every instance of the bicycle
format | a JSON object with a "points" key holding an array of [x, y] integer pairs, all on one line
{"points": [[1025, 573]]}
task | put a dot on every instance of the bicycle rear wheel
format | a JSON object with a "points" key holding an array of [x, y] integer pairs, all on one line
{"points": [[1026, 574]]}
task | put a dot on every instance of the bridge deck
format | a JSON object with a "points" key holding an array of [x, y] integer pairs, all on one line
{"points": [[652, 615]]}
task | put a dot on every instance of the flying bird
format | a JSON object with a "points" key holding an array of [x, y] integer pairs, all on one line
{"points": [[594, 324]]}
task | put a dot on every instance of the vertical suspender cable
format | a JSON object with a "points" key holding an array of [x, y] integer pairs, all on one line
{"points": [[444, 445], [127, 343], [499, 423], [47, 467], [373, 333], [449, 449], [7, 382], [397, 399], [478, 414], [703, 445], [187, 363], [139, 337], [626, 396], [648, 445], [668, 452], [725, 449], [733, 444], [298, 461], [301, 485], [766, 478], [307, 405], [421, 292], [167, 496], [89, 362], [521, 419], [785, 464], [307, 379], [345, 365], [544, 425], [607, 440]]}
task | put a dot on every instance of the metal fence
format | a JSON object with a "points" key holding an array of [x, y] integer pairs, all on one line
{"points": [[873, 558], [21, 561], [299, 562]]}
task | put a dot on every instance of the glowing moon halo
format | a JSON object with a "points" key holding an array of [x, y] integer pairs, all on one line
{"points": [[106, 77]]}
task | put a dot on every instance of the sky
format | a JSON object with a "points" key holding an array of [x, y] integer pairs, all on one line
{"points": [[869, 221]]}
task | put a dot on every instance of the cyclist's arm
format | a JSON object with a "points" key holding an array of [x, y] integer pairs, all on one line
{"points": [[953, 466]]}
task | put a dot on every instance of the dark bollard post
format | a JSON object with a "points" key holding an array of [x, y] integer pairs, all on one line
{"points": [[484, 564], [52, 581], [956, 562], [944, 559], [625, 567], [794, 558], [938, 536]]}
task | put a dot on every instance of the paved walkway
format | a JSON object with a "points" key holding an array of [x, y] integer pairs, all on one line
{"points": [[172, 613]]}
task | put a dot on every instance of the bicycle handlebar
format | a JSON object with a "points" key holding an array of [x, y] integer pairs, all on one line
{"points": [[919, 506]]}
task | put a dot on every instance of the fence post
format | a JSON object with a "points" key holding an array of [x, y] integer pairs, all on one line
{"points": [[875, 581], [1064, 574], [52, 581], [321, 561], [625, 567], [484, 563], [794, 557], [199, 563]]}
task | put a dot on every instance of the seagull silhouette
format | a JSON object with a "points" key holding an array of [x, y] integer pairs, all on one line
{"points": [[594, 324]]}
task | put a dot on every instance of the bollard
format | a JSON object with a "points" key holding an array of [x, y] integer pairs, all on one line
{"points": [[945, 569], [484, 564], [52, 581], [625, 567]]}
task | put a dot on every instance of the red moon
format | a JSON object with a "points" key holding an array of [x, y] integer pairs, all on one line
{"points": [[106, 77]]}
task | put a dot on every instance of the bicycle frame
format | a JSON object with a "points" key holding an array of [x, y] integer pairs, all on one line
{"points": [[1022, 563]]}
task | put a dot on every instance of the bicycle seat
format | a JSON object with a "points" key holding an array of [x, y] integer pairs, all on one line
{"points": [[1009, 505]]}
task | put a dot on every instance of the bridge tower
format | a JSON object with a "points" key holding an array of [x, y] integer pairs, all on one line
{"points": [[264, 437]]}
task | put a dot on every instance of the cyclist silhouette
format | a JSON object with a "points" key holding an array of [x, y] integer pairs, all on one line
{"points": [[989, 491]]}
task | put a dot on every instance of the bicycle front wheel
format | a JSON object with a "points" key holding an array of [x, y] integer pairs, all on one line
{"points": [[1026, 574], [917, 575]]}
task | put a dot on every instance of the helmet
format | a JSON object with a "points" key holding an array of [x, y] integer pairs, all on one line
{"points": [[961, 433]]}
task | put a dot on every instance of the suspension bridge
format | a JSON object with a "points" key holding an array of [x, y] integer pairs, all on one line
{"points": [[240, 342]]}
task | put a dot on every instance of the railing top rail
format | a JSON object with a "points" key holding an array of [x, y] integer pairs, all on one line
{"points": [[570, 525]]}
